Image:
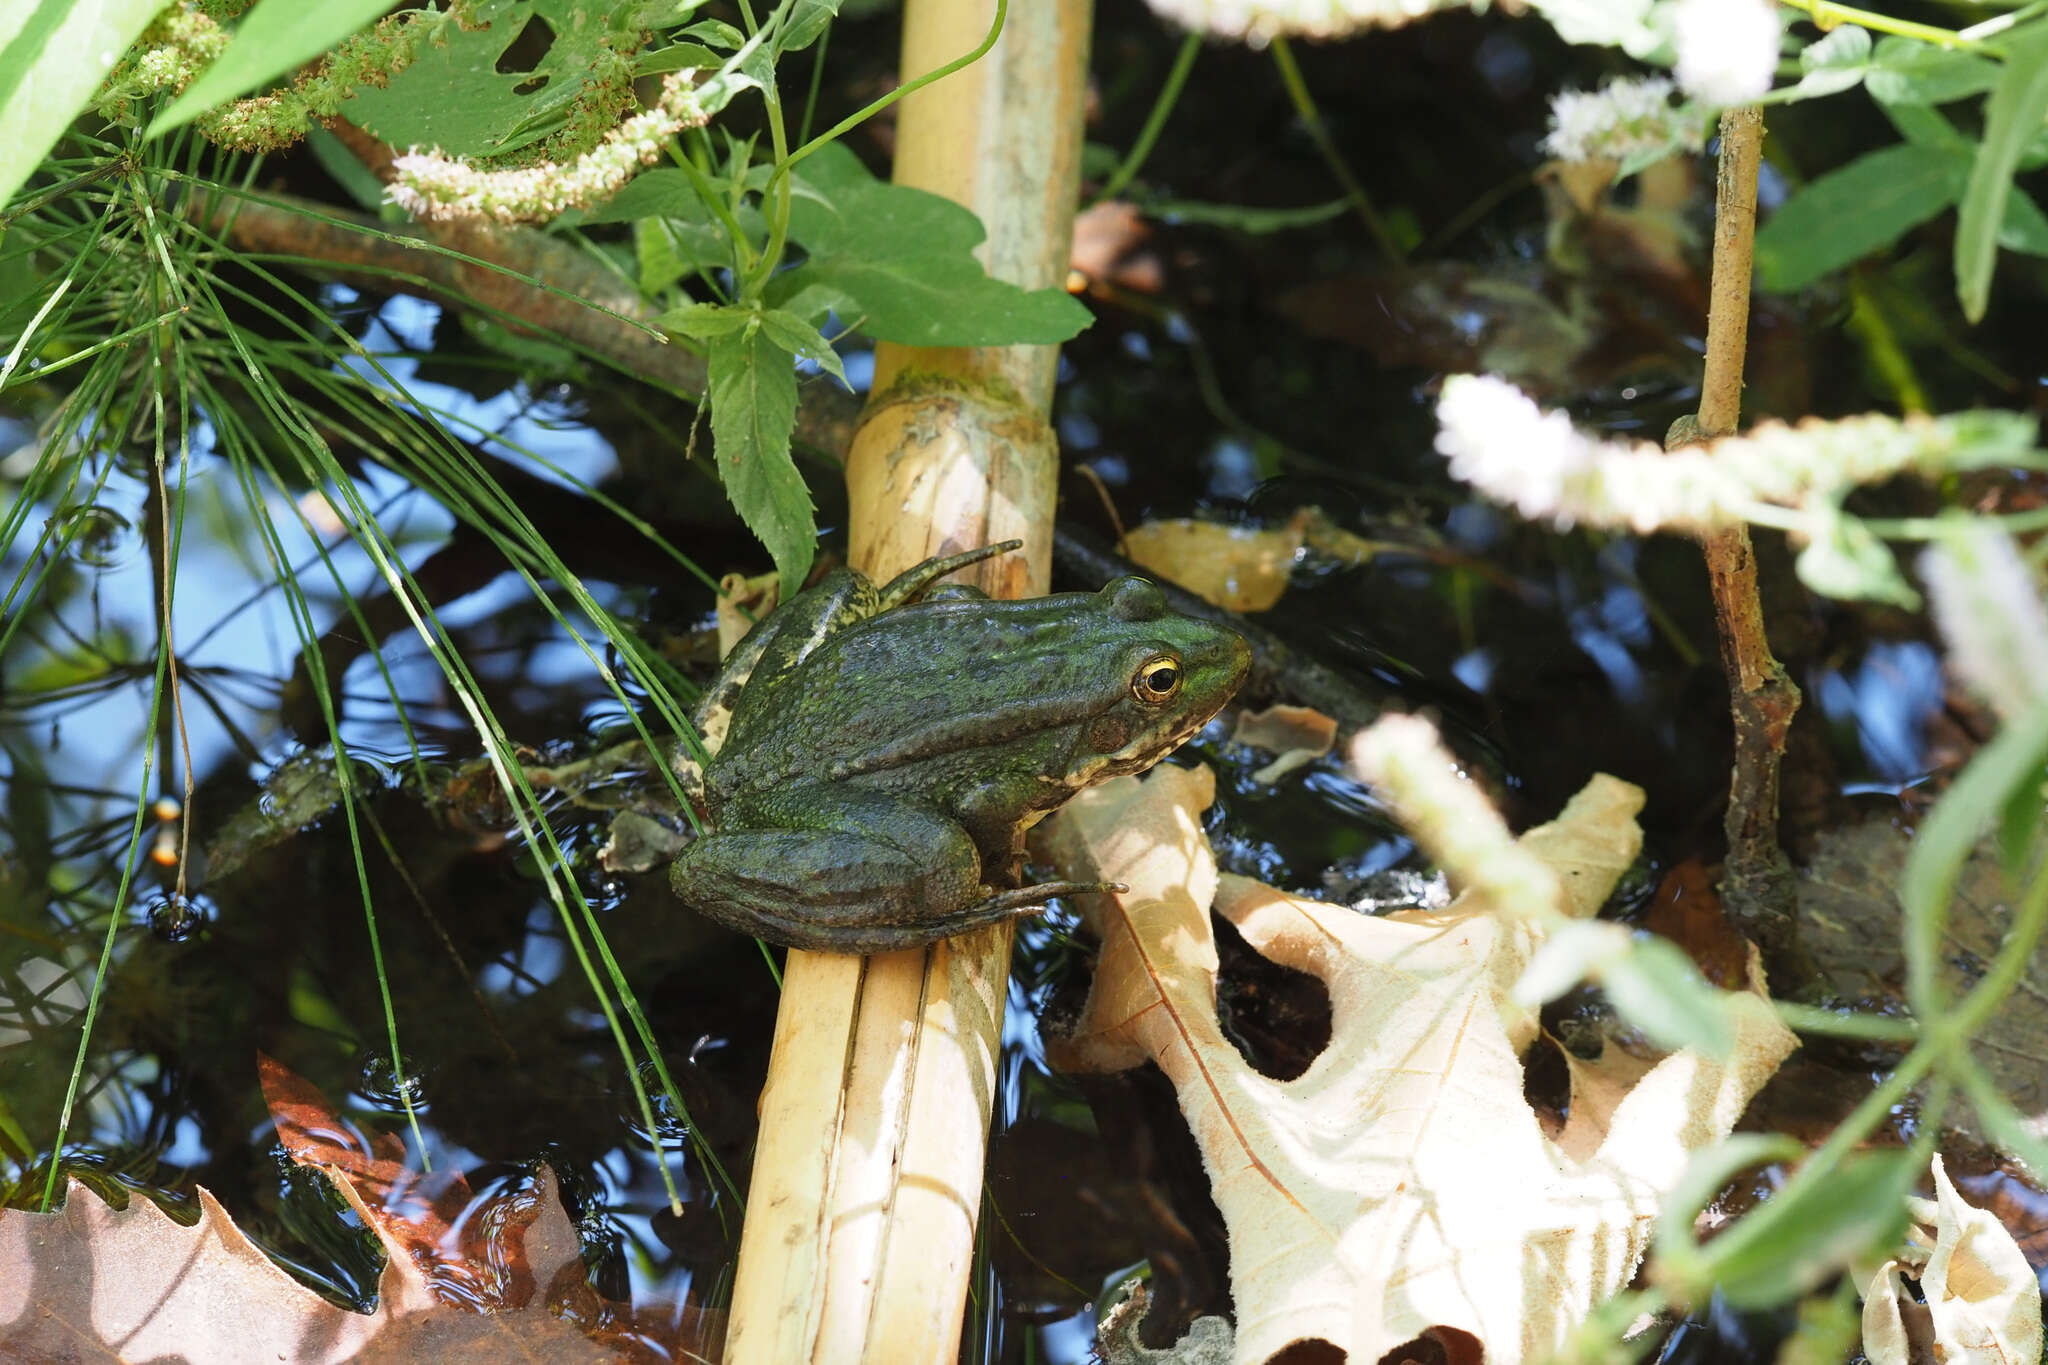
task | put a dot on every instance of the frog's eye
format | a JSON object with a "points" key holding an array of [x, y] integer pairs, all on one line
{"points": [[1157, 679]]}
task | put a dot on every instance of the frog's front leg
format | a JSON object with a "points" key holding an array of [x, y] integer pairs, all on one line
{"points": [[838, 869]]}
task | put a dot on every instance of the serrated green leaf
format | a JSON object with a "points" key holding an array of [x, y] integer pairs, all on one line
{"points": [[454, 97], [753, 412], [902, 261], [275, 37], [1851, 212], [799, 338], [55, 54], [706, 320], [2013, 114], [1907, 71], [1656, 987], [945, 302], [1946, 838]]}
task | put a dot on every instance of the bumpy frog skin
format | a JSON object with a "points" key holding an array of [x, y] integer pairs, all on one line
{"points": [[880, 762]]}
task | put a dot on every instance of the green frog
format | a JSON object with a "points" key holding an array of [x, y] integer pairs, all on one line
{"points": [[881, 751]]}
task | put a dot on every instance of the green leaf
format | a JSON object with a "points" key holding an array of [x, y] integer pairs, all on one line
{"points": [[1920, 123], [666, 250], [1811, 1229], [718, 33], [2010, 763], [56, 54], [676, 57], [275, 37], [2013, 114], [942, 302], [799, 338], [753, 412], [902, 261], [1844, 559], [806, 21], [2023, 228], [2009, 1130], [706, 320], [1657, 988], [1829, 66], [454, 97], [1907, 71], [1851, 212]]}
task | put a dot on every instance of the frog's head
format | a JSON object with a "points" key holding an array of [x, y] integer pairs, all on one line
{"points": [[1172, 672]]}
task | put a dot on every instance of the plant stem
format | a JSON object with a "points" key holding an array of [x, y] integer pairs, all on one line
{"points": [[1827, 15], [1155, 122], [1305, 106], [1757, 879]]}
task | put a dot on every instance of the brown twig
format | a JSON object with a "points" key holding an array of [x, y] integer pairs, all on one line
{"points": [[1756, 881], [523, 276]]}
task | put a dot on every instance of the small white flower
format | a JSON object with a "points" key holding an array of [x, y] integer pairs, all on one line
{"points": [[1619, 120], [1727, 49], [1989, 609]]}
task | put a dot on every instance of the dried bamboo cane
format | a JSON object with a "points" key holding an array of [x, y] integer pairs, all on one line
{"points": [[874, 1123]]}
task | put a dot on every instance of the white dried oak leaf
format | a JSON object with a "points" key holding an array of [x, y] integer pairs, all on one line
{"points": [[91, 1282], [1982, 1302], [1402, 1182]]}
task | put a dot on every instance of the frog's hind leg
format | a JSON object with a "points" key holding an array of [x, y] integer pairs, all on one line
{"points": [[843, 870]]}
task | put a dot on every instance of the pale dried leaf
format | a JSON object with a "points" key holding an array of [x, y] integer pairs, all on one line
{"points": [[1402, 1182], [1983, 1303], [92, 1282], [1298, 734], [1241, 568]]}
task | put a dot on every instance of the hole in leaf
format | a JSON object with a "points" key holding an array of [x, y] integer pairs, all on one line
{"points": [[525, 52], [1278, 1018]]}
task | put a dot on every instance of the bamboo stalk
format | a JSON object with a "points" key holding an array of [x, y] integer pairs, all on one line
{"points": [[874, 1122], [1756, 883]]}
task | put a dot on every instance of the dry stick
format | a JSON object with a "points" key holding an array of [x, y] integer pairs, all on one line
{"points": [[1756, 883], [859, 1236]]}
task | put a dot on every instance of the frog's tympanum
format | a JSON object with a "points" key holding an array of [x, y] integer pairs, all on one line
{"points": [[884, 750]]}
